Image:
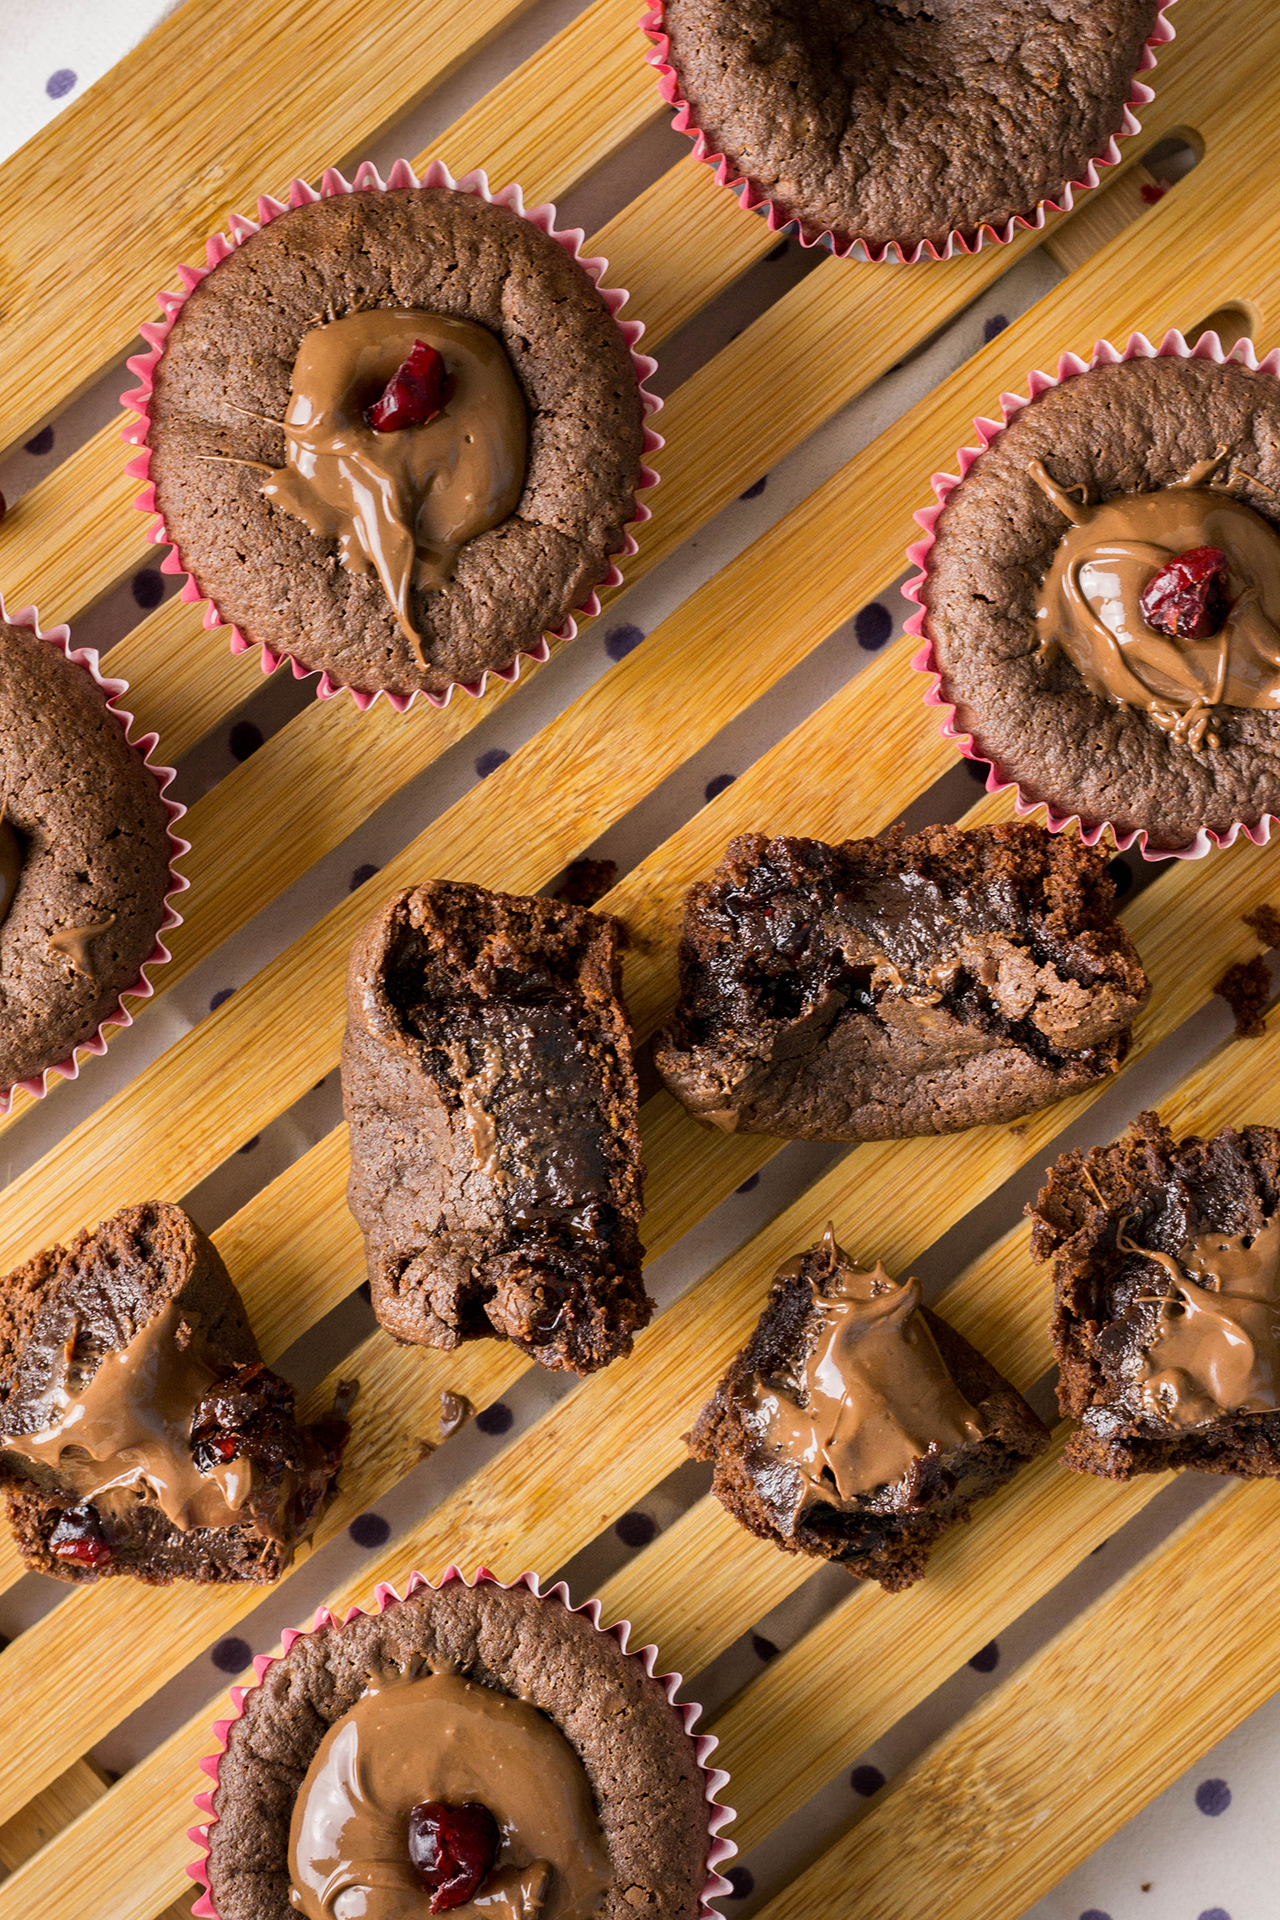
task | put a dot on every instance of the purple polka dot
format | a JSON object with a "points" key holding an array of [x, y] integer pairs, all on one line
{"points": [[249, 1145], [1214, 1913], [994, 324], [1119, 871], [756, 488], [763, 1649], [635, 1529], [873, 626], [231, 1656], [1094, 1913], [490, 760], [370, 1530], [147, 588], [718, 785], [365, 871], [220, 998], [41, 442], [776, 253], [495, 1419], [1213, 1797], [59, 83], [741, 1882], [620, 641], [244, 738], [986, 1659], [866, 1781], [749, 1185]]}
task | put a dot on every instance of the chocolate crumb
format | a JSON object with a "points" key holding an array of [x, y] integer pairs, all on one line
{"points": [[586, 881], [1265, 922], [1246, 988], [455, 1411]]}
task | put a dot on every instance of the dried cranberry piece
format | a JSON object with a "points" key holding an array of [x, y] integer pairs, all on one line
{"points": [[413, 395], [1188, 599], [78, 1536], [451, 1849]]}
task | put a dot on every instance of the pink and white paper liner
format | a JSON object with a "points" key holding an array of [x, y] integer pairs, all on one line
{"points": [[1207, 347], [715, 1778], [144, 747], [842, 245], [219, 246]]}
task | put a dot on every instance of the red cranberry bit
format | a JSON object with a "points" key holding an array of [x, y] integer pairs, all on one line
{"points": [[1188, 599], [78, 1537], [413, 395], [452, 1849]]}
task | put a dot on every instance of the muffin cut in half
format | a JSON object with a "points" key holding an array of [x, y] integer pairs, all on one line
{"points": [[490, 1094], [140, 1432], [919, 983]]}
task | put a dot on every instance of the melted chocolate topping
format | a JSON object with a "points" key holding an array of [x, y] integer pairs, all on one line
{"points": [[10, 863]]}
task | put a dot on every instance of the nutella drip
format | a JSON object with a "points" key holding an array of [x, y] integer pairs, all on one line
{"points": [[124, 1435], [444, 1738], [401, 504], [874, 1395], [1216, 1349], [1089, 603], [10, 863]]}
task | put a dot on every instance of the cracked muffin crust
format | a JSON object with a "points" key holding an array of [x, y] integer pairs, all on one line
{"points": [[919, 983], [905, 120], [489, 1090]]}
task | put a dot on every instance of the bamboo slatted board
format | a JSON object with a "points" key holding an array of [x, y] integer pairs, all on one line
{"points": [[1006, 1800]]}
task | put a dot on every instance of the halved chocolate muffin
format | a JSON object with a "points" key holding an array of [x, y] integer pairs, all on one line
{"points": [[398, 436], [906, 120], [857, 1426], [1103, 598], [84, 857], [1166, 1322], [140, 1432], [488, 1085], [919, 983]]}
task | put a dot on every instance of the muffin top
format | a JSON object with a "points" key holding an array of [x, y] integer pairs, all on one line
{"points": [[907, 119], [646, 1794], [413, 544], [1094, 503], [84, 857]]}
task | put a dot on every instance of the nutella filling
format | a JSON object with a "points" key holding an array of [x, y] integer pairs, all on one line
{"points": [[76, 944], [873, 1397], [448, 1739], [10, 863], [400, 504], [1089, 602], [125, 1434], [1216, 1349]]}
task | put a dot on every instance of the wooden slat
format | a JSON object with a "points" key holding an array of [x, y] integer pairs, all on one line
{"points": [[50, 1811]]}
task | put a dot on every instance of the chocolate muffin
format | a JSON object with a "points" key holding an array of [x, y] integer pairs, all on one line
{"points": [[488, 1086], [919, 983], [140, 1432], [84, 857], [857, 1426], [506, 1748], [1103, 598], [1166, 1319], [901, 120], [397, 436]]}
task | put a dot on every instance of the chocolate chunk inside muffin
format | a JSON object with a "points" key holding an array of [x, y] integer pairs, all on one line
{"points": [[1136, 723], [1166, 1324], [84, 850], [491, 1098], [286, 503], [919, 983], [140, 1432], [857, 1426], [646, 1790], [905, 120]]}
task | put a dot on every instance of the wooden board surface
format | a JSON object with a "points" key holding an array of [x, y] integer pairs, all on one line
{"points": [[175, 149]]}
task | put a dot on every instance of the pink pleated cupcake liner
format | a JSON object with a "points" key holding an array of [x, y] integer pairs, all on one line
{"points": [[220, 246], [1207, 347], [715, 1779], [844, 245], [144, 747]]}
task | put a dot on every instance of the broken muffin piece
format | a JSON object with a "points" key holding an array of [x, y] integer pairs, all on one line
{"points": [[490, 1094], [140, 1432], [1166, 1277], [918, 983], [856, 1425]]}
